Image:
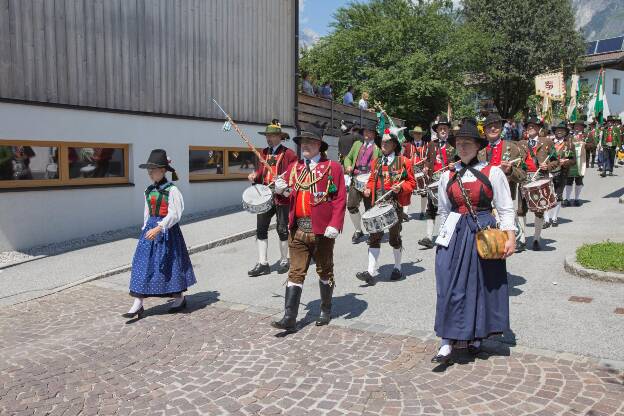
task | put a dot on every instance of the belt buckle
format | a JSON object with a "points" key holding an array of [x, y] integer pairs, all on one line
{"points": [[304, 224]]}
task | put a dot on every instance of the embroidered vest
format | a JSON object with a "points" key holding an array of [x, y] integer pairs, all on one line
{"points": [[158, 200], [479, 191]]}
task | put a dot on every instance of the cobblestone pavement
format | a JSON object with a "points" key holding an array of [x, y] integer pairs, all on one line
{"points": [[71, 353]]}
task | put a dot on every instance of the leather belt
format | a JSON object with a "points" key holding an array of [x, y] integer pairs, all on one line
{"points": [[304, 224]]}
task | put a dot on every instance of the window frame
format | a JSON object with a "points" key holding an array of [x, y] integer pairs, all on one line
{"points": [[617, 82], [226, 175], [63, 165]]}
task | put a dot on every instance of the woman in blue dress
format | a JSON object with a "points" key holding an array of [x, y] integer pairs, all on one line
{"points": [[161, 266], [472, 298]]}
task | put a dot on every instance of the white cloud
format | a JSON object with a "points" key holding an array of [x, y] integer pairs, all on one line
{"points": [[308, 37]]}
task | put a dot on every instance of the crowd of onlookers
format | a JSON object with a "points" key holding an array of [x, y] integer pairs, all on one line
{"points": [[325, 90]]}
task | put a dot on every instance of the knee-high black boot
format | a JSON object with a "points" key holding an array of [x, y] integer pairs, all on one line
{"points": [[326, 304], [291, 308]]}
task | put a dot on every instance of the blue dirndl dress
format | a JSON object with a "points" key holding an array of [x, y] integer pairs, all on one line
{"points": [[472, 293], [160, 267]]}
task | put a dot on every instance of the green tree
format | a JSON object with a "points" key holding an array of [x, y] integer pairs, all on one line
{"points": [[528, 37], [410, 55]]}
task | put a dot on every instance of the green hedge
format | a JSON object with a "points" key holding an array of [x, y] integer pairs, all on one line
{"points": [[606, 256]]}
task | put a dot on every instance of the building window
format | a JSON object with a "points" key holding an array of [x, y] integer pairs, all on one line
{"points": [[220, 163], [28, 164], [616, 86]]}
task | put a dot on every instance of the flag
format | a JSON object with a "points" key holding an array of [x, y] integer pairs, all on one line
{"points": [[599, 97], [575, 86]]}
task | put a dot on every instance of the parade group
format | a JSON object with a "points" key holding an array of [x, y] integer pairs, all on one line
{"points": [[466, 178]]}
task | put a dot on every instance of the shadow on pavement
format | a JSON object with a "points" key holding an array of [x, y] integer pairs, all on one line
{"points": [[408, 269], [514, 281], [615, 194], [194, 302]]}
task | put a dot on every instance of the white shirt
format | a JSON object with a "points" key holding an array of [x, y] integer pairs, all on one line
{"points": [[314, 161], [175, 209], [363, 104], [502, 195], [389, 159], [274, 148]]}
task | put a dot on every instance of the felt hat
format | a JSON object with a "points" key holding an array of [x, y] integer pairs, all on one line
{"points": [[314, 131], [275, 128], [468, 129], [158, 159]]}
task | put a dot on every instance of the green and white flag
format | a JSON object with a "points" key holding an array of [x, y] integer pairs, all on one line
{"points": [[575, 86], [599, 94]]}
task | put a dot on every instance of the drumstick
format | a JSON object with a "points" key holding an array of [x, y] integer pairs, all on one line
{"points": [[242, 135], [537, 171], [384, 196]]}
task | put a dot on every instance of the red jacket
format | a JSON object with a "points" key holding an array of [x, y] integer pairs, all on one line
{"points": [[407, 187], [415, 154], [329, 213], [285, 156]]}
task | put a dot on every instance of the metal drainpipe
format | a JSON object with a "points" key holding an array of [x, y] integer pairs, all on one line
{"points": [[296, 75]]}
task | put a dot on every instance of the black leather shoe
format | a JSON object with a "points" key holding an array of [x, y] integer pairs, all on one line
{"points": [[422, 216], [404, 217], [610, 173], [441, 359], [366, 277], [547, 224], [426, 242], [520, 247], [555, 223], [576, 203], [474, 350], [603, 175], [176, 309], [138, 314], [326, 304], [396, 274], [291, 308], [283, 267], [536, 246], [357, 236], [565, 203], [259, 270]]}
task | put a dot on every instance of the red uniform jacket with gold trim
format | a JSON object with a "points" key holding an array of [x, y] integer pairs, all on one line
{"points": [[407, 187], [331, 211], [285, 156]]}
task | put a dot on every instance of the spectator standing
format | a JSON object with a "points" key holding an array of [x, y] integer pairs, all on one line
{"points": [[347, 99], [307, 86], [363, 104], [326, 91]]}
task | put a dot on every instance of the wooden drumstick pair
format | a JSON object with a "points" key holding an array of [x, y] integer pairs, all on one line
{"points": [[384, 196]]}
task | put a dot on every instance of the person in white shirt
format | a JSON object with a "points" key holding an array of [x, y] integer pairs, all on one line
{"points": [[363, 103], [161, 266], [472, 293]]}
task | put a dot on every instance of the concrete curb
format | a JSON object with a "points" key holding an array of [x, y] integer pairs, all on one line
{"points": [[127, 267], [571, 266], [490, 345]]}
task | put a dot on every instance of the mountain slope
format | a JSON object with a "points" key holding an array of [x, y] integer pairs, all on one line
{"points": [[599, 19]]}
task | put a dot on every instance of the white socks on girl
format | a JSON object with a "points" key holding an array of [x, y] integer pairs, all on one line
{"points": [[138, 304], [445, 347]]}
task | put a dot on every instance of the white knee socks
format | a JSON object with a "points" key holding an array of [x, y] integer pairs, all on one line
{"points": [[522, 223], [373, 256], [406, 209], [284, 250], [554, 215], [568, 192], [537, 232], [445, 347], [356, 219], [423, 205], [577, 191], [138, 304], [263, 246], [294, 284], [430, 226], [397, 258], [177, 301]]}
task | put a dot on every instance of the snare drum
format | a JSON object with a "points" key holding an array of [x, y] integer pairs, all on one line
{"points": [[257, 199], [421, 183], [360, 181], [432, 193], [540, 195], [379, 218]]}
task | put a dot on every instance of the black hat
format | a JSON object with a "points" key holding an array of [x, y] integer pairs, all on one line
{"points": [[492, 118], [442, 121], [314, 131], [275, 128], [535, 120], [469, 129], [561, 126], [158, 159]]}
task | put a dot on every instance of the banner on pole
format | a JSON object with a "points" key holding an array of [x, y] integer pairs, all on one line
{"points": [[551, 86]]}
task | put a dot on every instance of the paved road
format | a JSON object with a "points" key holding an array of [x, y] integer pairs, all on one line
{"points": [[71, 353], [541, 314]]}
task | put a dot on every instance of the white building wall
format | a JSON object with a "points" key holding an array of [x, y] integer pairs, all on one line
{"points": [[616, 102], [33, 217]]}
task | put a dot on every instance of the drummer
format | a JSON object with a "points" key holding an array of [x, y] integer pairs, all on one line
{"points": [[506, 154], [415, 149], [279, 157], [566, 154], [539, 159], [577, 170], [391, 173], [440, 157], [315, 186], [357, 162], [591, 143]]}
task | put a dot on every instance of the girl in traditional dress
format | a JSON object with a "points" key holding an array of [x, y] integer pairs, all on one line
{"points": [[161, 266], [472, 298]]}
